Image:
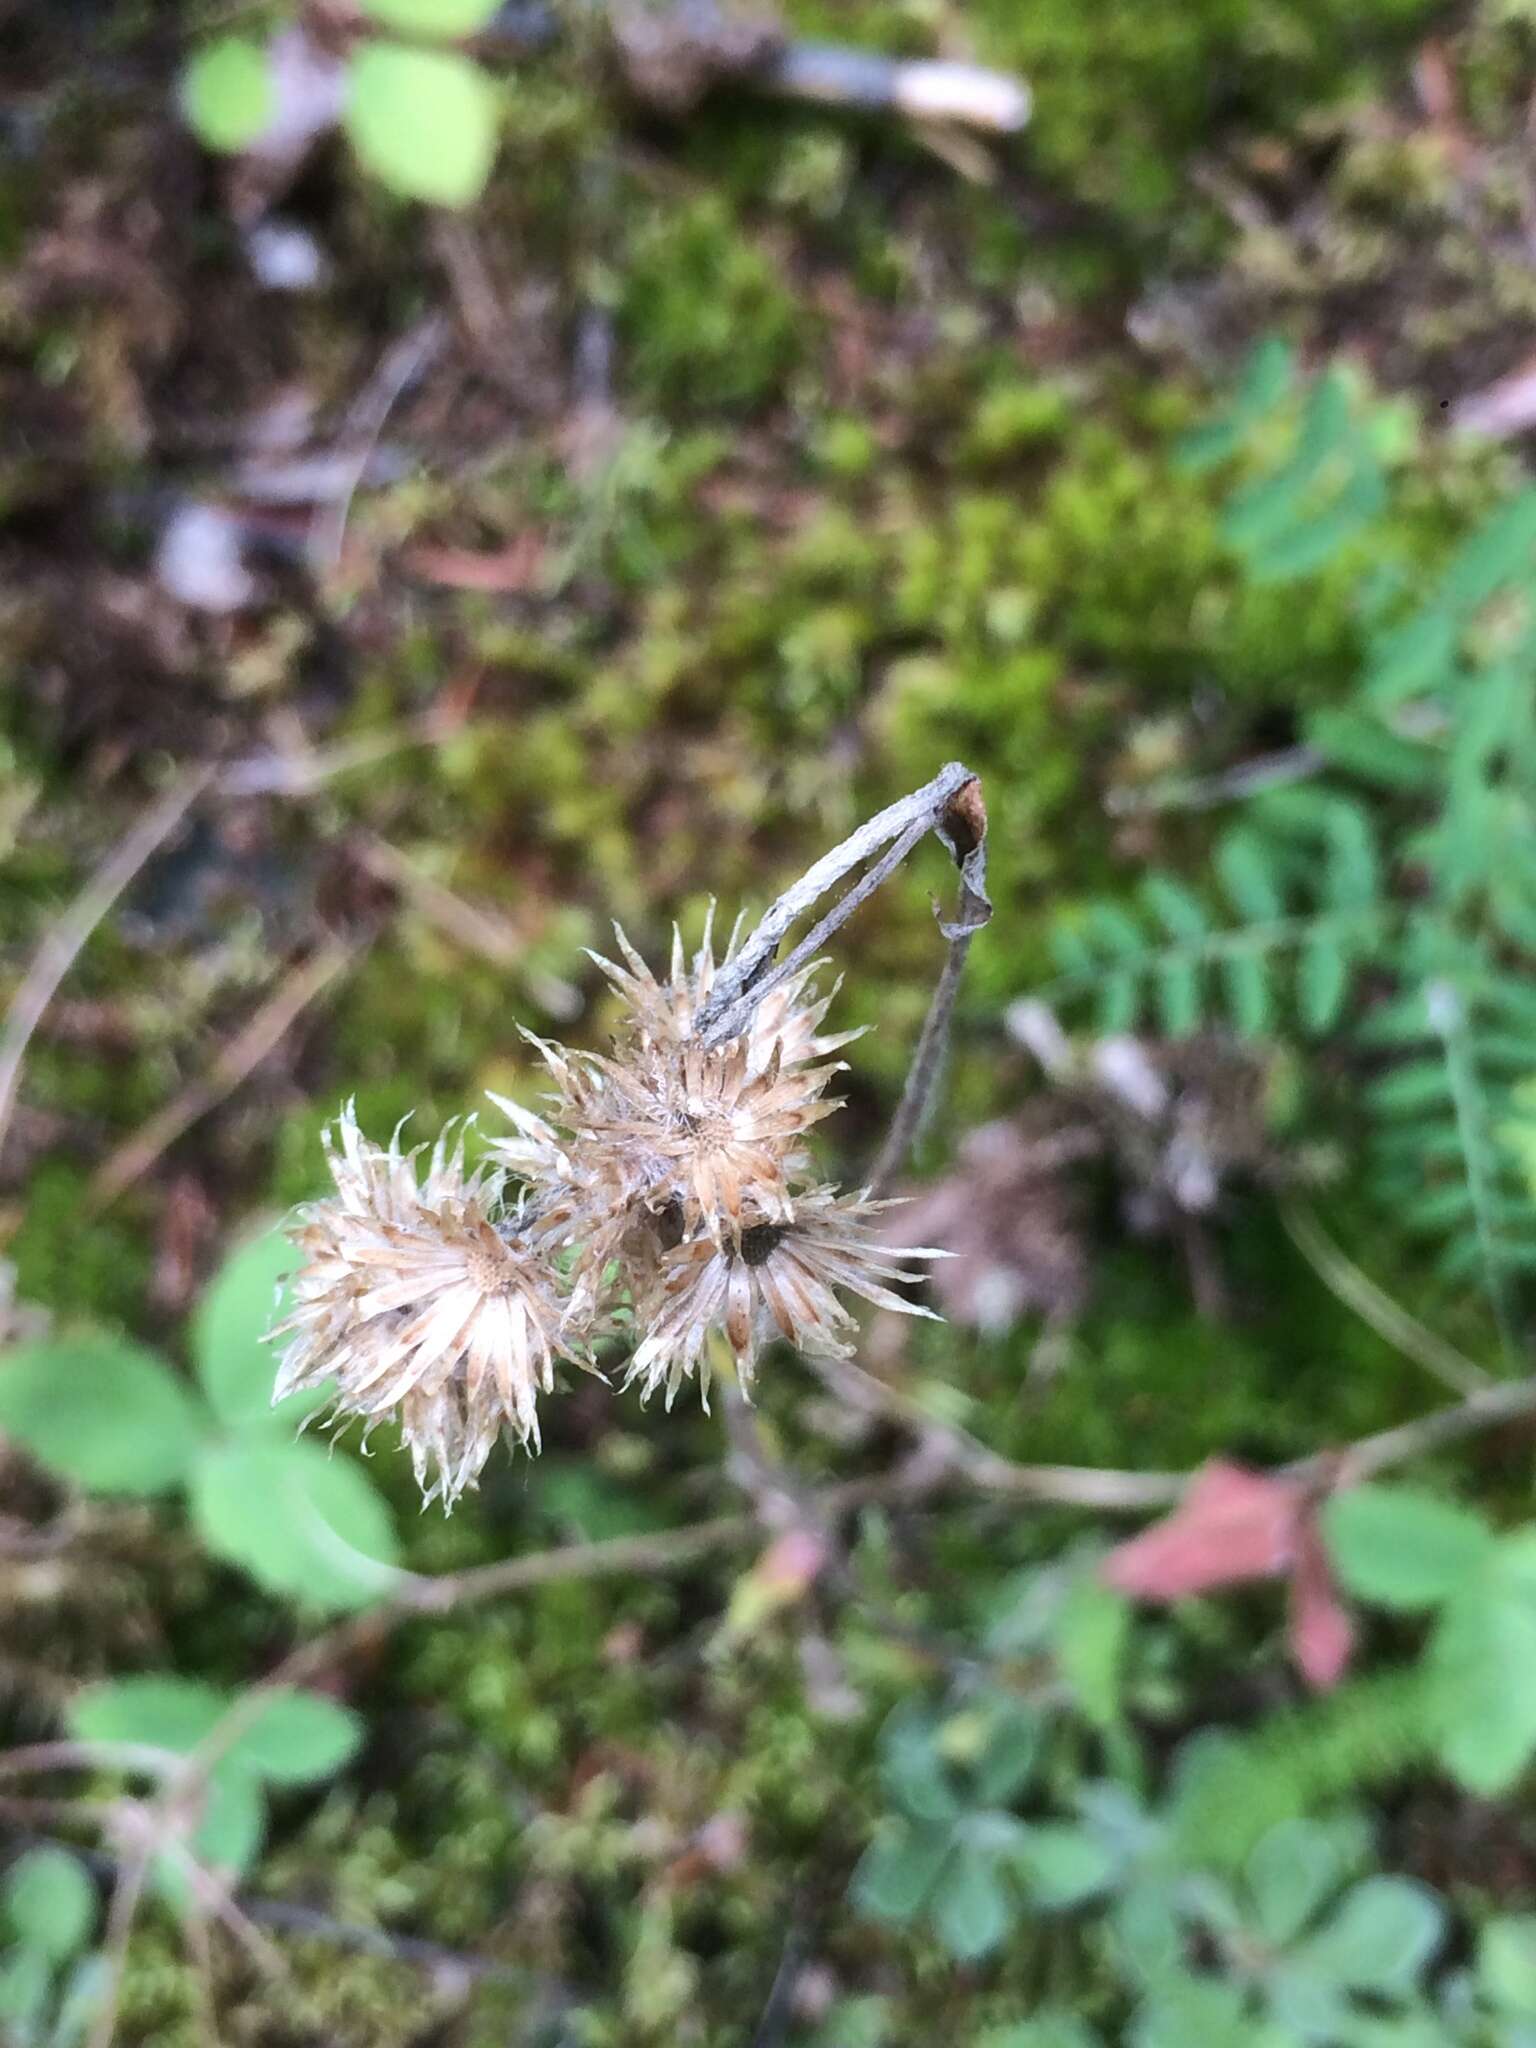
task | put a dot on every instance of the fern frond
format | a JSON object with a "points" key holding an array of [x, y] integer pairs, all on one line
{"points": [[1302, 886], [1364, 1735]]}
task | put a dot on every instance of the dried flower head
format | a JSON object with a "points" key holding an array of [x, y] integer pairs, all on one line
{"points": [[664, 1138], [415, 1302], [779, 1277], [672, 1174]]}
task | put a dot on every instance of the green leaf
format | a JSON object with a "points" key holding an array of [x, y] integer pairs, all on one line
{"points": [[1189, 2009], [973, 1909], [899, 1869], [1412, 1089], [303, 1522], [25, 1981], [1009, 1754], [299, 1738], [1506, 1963], [1115, 931], [49, 1902], [432, 18], [1482, 1663], [1178, 998], [1266, 379], [1367, 747], [1383, 1933], [235, 1364], [1092, 1624], [1403, 1549], [1061, 1866], [1245, 863], [912, 1769], [1310, 2007], [105, 1414], [856, 2023], [1069, 949], [424, 121], [1119, 1003], [1499, 550], [1322, 982], [1045, 2030], [226, 93], [228, 1835], [1292, 1870], [1146, 1931], [1178, 911], [154, 1710], [1245, 974]]}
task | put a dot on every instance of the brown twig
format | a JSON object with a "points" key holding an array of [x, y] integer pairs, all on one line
{"points": [[131, 1160], [62, 943]]}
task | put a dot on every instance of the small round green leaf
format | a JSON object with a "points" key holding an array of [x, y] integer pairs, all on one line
{"points": [[227, 1838], [1291, 1872], [1506, 1964], [1403, 1549], [973, 1908], [1009, 1752], [1090, 1636], [299, 1738], [303, 1522], [226, 92], [441, 18], [1061, 1866], [424, 121], [899, 1869], [235, 1363], [1383, 1933], [1482, 1664], [154, 1710], [912, 1769], [105, 1414], [24, 1985], [49, 1902], [1044, 2030]]}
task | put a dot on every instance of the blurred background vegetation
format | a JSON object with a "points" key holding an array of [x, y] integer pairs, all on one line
{"points": [[613, 543]]}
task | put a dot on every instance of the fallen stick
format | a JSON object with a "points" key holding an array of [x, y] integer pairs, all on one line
{"points": [[133, 1158]]}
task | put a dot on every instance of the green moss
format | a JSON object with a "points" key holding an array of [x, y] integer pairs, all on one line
{"points": [[705, 311], [73, 1261]]}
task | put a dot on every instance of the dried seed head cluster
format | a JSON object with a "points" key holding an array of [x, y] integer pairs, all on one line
{"points": [[670, 1180]]}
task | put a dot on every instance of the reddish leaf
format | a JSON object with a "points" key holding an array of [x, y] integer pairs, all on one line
{"points": [[1321, 1635], [1231, 1525]]}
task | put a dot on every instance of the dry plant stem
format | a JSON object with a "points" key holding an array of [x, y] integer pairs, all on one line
{"points": [[401, 365], [301, 772], [62, 944], [1344, 1279], [1504, 1401], [132, 1875], [741, 983], [140, 1757], [917, 1095], [1083, 1486], [131, 1160]]}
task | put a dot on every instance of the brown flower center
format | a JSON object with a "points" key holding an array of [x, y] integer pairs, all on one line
{"points": [[761, 1241]]}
